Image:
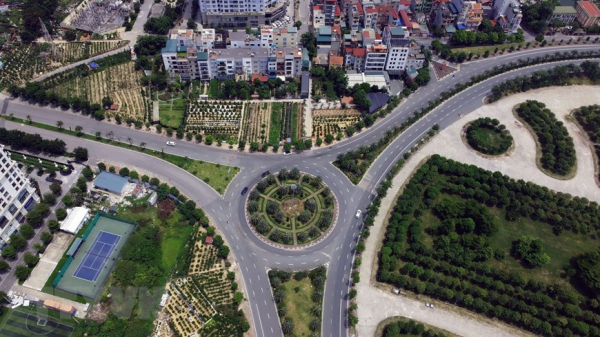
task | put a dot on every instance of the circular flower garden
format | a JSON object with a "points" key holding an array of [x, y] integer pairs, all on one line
{"points": [[291, 208], [488, 136]]}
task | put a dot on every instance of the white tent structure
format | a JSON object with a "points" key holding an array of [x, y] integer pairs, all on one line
{"points": [[75, 219]]}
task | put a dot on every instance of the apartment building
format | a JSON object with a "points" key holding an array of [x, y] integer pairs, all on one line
{"points": [[285, 37], [508, 14], [421, 6], [470, 15], [318, 16], [376, 56], [566, 14], [241, 13], [588, 13], [331, 12], [17, 197], [398, 44], [180, 53], [354, 58], [355, 15], [245, 61]]}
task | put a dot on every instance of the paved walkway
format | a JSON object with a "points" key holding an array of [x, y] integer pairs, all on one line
{"points": [[376, 301], [48, 261]]}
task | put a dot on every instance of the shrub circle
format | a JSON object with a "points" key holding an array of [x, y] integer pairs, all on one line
{"points": [[488, 136], [289, 217]]}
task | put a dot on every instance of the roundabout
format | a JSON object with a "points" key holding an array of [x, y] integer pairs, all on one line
{"points": [[291, 209]]}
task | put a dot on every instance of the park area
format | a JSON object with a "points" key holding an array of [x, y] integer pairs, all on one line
{"points": [[291, 208], [171, 108], [481, 240], [217, 118], [24, 62]]}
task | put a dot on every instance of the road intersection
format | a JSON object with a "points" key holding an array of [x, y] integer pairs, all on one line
{"points": [[255, 257]]}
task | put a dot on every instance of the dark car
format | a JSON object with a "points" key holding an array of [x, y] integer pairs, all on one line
{"points": [[266, 173], [245, 190]]}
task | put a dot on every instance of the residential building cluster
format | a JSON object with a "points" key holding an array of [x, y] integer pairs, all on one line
{"points": [[190, 55], [241, 13], [17, 197]]}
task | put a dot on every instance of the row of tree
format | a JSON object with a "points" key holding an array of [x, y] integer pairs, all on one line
{"points": [[453, 268], [32, 142], [589, 119], [558, 150], [409, 328]]}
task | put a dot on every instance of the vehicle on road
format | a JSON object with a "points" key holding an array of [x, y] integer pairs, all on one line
{"points": [[245, 190], [287, 153], [358, 213], [266, 173], [171, 143]]}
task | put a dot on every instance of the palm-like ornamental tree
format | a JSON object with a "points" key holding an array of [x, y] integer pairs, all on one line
{"points": [[59, 124]]}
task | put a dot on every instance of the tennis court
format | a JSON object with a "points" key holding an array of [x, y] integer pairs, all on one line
{"points": [[96, 257], [22, 324], [93, 256]]}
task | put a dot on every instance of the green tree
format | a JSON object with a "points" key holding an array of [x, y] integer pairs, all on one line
{"points": [[22, 272], [27, 231], [46, 238], [30, 259], [531, 250]]}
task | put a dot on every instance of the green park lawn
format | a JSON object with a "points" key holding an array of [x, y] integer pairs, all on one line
{"points": [[299, 305], [171, 112], [488, 138]]}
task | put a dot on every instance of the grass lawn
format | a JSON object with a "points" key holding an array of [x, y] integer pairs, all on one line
{"points": [[171, 111], [172, 244], [482, 49], [275, 129], [299, 305], [215, 175], [486, 137]]}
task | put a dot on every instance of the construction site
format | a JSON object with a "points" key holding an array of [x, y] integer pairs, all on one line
{"points": [[98, 16]]}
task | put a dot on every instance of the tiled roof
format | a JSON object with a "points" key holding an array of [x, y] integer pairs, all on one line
{"points": [[336, 60], [359, 52], [590, 8]]}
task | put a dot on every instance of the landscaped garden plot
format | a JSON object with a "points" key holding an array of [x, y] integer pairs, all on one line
{"points": [[398, 326], [291, 208], [291, 121], [504, 248], [204, 301], [299, 300], [256, 122], [557, 156], [172, 109], [218, 118], [275, 128], [330, 122], [76, 51], [120, 82], [23, 63], [25, 324]]}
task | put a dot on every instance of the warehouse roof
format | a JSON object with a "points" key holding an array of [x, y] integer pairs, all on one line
{"points": [[110, 182]]}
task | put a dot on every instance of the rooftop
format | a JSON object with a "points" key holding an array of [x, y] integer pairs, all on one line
{"points": [[564, 10], [110, 182], [590, 8]]}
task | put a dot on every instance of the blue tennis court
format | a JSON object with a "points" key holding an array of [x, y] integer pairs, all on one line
{"points": [[95, 258]]}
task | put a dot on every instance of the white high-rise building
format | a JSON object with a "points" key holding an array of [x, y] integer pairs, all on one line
{"points": [[241, 13], [17, 196], [398, 44]]}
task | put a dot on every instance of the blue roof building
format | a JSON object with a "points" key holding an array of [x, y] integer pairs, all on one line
{"points": [[110, 182]]}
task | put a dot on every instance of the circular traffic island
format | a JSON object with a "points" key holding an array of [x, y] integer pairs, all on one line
{"points": [[291, 208], [488, 136]]}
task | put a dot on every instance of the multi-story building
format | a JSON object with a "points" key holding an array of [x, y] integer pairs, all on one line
{"points": [[332, 12], [376, 57], [371, 18], [179, 55], [17, 197], [245, 61], [354, 58], [508, 14], [241, 13], [443, 14], [398, 44], [318, 16], [470, 16], [207, 38], [421, 6], [588, 13], [285, 37], [355, 16], [566, 14]]}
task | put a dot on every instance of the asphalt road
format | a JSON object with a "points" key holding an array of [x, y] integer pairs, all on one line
{"points": [[227, 212]]}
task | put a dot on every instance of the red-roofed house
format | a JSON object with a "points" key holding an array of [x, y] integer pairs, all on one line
{"points": [[405, 20], [588, 14], [355, 58], [262, 78], [387, 15]]}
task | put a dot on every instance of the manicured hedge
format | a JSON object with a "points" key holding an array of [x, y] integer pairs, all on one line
{"points": [[589, 118], [502, 138]]}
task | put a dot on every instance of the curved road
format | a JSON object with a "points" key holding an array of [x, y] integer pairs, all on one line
{"points": [[227, 212]]}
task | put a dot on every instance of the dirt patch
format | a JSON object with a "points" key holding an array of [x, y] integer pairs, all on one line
{"points": [[165, 208], [99, 312], [292, 207]]}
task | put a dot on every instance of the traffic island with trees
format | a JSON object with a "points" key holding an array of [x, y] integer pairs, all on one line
{"points": [[299, 300], [488, 136], [459, 233], [291, 208], [555, 149], [588, 118], [401, 326]]}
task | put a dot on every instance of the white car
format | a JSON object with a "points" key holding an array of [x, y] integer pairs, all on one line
{"points": [[358, 213], [171, 143]]}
